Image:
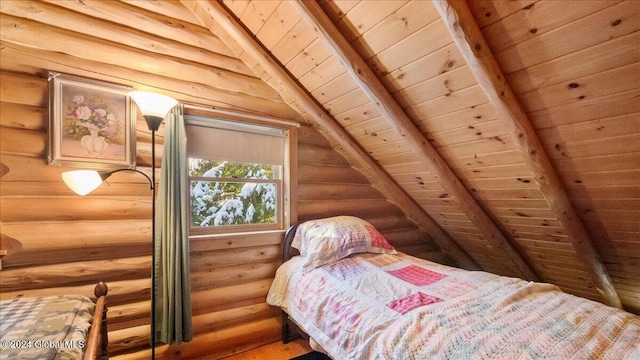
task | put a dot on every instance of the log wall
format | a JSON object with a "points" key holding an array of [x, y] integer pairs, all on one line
{"points": [[59, 242]]}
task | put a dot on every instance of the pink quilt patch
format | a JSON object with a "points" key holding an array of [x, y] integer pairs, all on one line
{"points": [[417, 275], [377, 240], [408, 303]]}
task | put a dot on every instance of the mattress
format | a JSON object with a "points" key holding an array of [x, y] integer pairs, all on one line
{"points": [[382, 306], [54, 327]]}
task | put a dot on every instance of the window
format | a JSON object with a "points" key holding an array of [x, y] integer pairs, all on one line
{"points": [[236, 175]]}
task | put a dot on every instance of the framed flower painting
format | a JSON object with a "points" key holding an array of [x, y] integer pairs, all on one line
{"points": [[91, 123]]}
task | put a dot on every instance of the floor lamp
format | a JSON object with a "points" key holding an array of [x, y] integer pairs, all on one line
{"points": [[154, 108]]}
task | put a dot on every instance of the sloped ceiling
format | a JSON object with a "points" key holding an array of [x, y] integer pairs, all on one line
{"points": [[508, 130], [458, 106]]}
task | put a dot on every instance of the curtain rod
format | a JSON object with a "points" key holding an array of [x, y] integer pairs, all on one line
{"points": [[230, 113]]}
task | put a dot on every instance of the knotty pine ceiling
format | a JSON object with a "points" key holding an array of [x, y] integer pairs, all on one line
{"points": [[507, 129]]}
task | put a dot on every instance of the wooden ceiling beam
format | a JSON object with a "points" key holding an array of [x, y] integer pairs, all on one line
{"points": [[214, 15], [471, 43], [366, 78]]}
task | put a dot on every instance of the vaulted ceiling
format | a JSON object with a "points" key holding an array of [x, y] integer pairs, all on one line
{"points": [[508, 130]]}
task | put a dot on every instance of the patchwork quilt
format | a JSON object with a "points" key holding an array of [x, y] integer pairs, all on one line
{"points": [[382, 306], [54, 327]]}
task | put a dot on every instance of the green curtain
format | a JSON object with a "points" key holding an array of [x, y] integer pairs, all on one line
{"points": [[173, 283]]}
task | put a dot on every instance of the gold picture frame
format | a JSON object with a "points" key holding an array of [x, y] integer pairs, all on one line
{"points": [[92, 123]]}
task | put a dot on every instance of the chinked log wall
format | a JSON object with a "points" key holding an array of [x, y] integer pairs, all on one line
{"points": [[62, 243]]}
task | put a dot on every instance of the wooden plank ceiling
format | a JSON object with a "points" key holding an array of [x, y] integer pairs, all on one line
{"points": [[397, 79], [507, 130]]}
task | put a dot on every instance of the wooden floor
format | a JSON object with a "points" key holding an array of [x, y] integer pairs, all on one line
{"points": [[275, 351]]}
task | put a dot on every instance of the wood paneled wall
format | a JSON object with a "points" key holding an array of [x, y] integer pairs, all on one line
{"points": [[574, 76], [59, 242]]}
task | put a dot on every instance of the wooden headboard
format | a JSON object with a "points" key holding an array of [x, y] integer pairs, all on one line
{"points": [[287, 251]]}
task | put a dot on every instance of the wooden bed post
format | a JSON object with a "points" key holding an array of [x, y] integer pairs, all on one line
{"points": [[98, 333], [101, 293]]}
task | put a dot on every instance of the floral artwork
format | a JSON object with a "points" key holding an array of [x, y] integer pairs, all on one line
{"points": [[91, 124], [97, 125]]}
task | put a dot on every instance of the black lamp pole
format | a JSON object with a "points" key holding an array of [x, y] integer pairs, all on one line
{"points": [[153, 104], [153, 122]]}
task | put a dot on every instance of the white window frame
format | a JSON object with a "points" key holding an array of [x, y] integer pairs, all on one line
{"points": [[200, 116]]}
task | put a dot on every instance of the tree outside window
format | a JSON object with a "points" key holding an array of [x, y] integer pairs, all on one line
{"points": [[225, 193]]}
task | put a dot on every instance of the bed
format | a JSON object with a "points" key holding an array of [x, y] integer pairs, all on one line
{"points": [[358, 298], [56, 327]]}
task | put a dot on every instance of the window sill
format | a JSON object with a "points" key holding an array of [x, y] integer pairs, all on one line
{"points": [[202, 235]]}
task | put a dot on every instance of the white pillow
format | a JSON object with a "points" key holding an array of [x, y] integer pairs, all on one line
{"points": [[324, 241]]}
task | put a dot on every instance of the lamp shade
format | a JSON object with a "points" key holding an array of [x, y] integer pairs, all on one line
{"points": [[153, 104], [82, 182]]}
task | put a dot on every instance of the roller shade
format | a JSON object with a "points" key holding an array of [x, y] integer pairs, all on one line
{"points": [[224, 140]]}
